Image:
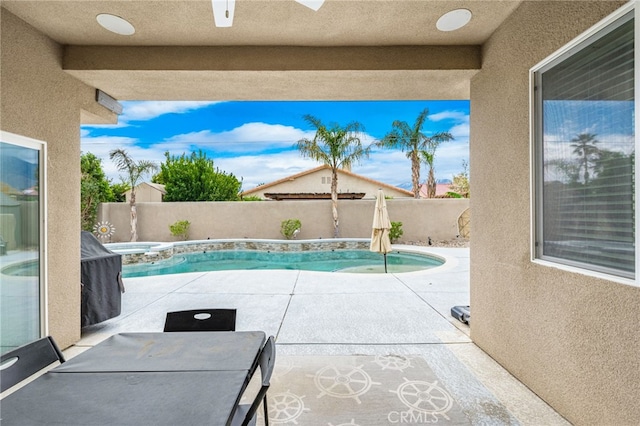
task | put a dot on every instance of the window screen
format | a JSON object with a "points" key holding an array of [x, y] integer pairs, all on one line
{"points": [[585, 149]]}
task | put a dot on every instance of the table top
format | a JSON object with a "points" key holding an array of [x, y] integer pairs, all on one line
{"points": [[178, 351], [148, 398], [142, 379]]}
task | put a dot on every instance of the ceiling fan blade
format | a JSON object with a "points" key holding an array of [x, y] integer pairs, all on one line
{"points": [[223, 12], [311, 4]]}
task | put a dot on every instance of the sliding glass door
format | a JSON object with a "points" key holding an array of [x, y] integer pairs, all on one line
{"points": [[22, 227]]}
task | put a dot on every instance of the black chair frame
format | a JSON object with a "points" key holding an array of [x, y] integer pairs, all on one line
{"points": [[25, 361], [267, 361], [201, 320]]}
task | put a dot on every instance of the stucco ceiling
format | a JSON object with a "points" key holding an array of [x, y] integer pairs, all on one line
{"points": [[363, 26]]}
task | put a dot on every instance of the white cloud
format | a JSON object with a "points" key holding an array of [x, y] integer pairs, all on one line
{"points": [[255, 170], [387, 166], [101, 146], [559, 146], [250, 137], [247, 133], [390, 167], [148, 110], [246, 143], [460, 131], [460, 128], [449, 115], [449, 157]]}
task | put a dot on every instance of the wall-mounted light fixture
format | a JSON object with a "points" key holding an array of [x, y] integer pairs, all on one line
{"points": [[108, 102]]}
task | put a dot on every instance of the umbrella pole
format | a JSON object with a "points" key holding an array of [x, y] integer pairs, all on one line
{"points": [[385, 263]]}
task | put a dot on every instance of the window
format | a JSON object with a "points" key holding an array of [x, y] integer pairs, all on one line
{"points": [[584, 153], [22, 260]]}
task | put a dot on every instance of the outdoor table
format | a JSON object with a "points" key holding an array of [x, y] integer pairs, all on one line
{"points": [[176, 351], [142, 379]]}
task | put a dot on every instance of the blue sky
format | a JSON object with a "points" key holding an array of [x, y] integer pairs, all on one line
{"points": [[255, 140]]}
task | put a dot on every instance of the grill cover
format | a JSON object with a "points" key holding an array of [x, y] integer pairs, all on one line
{"points": [[101, 281]]}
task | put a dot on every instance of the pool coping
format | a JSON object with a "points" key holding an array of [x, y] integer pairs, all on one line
{"points": [[158, 251]]}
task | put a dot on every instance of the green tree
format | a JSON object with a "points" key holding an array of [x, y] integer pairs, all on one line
{"points": [[134, 173], [193, 178], [413, 140], [337, 147], [569, 168], [94, 189], [119, 190], [460, 183], [584, 146]]}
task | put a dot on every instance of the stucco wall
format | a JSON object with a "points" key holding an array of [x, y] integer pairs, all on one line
{"points": [[435, 218], [574, 340], [40, 101]]}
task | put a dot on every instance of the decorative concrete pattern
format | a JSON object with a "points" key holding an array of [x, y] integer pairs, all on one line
{"points": [[361, 390]]}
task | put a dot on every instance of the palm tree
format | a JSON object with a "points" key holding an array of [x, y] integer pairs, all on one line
{"points": [[585, 147], [412, 140], [428, 158], [337, 147], [135, 171]]}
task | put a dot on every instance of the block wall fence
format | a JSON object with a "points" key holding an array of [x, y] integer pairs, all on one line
{"points": [[421, 219]]}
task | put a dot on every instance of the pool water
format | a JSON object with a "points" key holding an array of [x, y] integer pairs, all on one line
{"points": [[29, 268], [356, 261]]}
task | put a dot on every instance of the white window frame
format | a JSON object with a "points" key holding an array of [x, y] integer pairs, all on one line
{"points": [[41, 147], [535, 112]]}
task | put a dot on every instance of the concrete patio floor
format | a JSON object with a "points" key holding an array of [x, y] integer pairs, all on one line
{"points": [[352, 319]]}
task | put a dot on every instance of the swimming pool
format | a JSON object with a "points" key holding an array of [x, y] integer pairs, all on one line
{"points": [[355, 261], [28, 268]]}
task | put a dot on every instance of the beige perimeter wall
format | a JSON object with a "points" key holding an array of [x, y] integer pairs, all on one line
{"points": [[435, 218], [40, 101], [574, 340]]}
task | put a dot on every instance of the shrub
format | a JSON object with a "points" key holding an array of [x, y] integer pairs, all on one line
{"points": [[180, 229], [396, 231], [289, 227]]}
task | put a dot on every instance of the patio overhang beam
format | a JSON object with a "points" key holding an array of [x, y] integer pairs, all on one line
{"points": [[276, 72]]}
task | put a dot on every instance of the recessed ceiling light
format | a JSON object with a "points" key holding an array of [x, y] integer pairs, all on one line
{"points": [[115, 24], [454, 20]]}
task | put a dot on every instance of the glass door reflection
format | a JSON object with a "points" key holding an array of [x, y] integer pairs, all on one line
{"points": [[21, 241]]}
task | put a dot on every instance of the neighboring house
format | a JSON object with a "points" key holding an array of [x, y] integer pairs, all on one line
{"points": [[441, 190], [315, 184], [147, 192]]}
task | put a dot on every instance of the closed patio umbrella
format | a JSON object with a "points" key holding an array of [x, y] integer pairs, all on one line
{"points": [[380, 241]]}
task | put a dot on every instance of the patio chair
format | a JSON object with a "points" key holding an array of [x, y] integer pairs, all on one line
{"points": [[246, 415], [23, 362], [201, 320]]}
